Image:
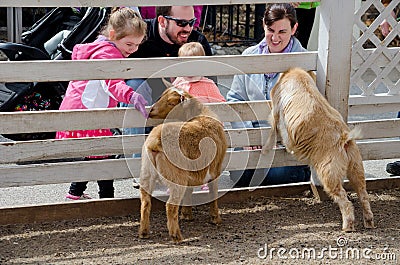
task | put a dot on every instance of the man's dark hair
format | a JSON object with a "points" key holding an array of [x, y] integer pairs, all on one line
{"points": [[163, 11]]}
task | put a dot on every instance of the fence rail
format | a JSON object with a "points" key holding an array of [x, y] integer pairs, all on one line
{"points": [[43, 71], [17, 152]]}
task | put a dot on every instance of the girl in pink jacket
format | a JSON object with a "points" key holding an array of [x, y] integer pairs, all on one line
{"points": [[121, 37]]}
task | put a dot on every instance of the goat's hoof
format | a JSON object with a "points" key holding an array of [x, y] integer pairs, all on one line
{"points": [[144, 235], [216, 220], [177, 238], [349, 228], [187, 217], [289, 151], [369, 224]]}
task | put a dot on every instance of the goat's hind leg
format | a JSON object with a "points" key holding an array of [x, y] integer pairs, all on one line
{"points": [[186, 209], [148, 175], [355, 174], [331, 179], [172, 208], [146, 189], [213, 195]]}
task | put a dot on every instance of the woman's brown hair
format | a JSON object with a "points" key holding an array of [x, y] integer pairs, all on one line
{"points": [[275, 12]]}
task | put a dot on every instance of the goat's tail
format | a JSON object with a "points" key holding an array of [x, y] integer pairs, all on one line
{"points": [[354, 134]]}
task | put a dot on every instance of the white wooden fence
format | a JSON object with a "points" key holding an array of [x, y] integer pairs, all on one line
{"points": [[374, 69], [334, 69]]}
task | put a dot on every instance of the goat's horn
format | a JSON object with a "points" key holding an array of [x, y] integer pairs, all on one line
{"points": [[166, 83]]}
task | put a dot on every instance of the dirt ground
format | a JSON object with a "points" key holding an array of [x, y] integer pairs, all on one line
{"points": [[287, 230]]}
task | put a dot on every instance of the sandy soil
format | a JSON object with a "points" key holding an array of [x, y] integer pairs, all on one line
{"points": [[287, 230]]}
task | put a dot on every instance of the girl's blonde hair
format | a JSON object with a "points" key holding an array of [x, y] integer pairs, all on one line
{"points": [[191, 49], [125, 21]]}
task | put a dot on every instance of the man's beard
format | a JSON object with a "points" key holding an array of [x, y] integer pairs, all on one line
{"points": [[174, 39]]}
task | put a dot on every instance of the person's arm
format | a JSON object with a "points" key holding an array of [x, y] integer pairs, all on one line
{"points": [[120, 91], [238, 90], [117, 88], [238, 93]]}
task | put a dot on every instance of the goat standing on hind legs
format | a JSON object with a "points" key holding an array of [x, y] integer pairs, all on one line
{"points": [[315, 133], [181, 155]]}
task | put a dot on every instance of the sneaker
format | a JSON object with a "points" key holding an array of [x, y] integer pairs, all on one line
{"points": [[136, 183], [204, 187], [75, 198], [393, 168]]}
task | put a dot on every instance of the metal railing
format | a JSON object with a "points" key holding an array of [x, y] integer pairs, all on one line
{"points": [[233, 23]]}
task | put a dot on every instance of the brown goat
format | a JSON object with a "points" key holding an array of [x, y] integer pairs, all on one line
{"points": [[315, 133], [181, 154]]}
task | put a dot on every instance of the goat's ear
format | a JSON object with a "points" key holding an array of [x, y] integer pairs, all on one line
{"points": [[180, 92], [195, 107], [313, 75], [166, 83]]}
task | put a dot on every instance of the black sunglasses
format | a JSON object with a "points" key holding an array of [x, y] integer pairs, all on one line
{"points": [[182, 22]]}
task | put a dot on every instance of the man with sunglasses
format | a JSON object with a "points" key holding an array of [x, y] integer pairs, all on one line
{"points": [[172, 27]]}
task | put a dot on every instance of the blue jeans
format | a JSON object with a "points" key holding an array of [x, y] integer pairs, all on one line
{"points": [[270, 176], [288, 174], [142, 87]]}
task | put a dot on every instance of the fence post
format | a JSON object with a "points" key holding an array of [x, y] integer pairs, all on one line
{"points": [[14, 24], [334, 60]]}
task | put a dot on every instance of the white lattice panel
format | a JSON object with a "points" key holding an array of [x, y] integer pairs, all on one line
{"points": [[375, 58]]}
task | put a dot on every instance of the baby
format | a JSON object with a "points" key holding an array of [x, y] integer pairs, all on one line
{"points": [[203, 88]]}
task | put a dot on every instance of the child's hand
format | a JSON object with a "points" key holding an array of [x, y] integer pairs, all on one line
{"points": [[139, 103]]}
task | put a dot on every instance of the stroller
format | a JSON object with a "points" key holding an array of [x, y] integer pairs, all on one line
{"points": [[51, 38]]}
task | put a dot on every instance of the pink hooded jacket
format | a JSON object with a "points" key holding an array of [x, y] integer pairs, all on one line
{"points": [[91, 94]]}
